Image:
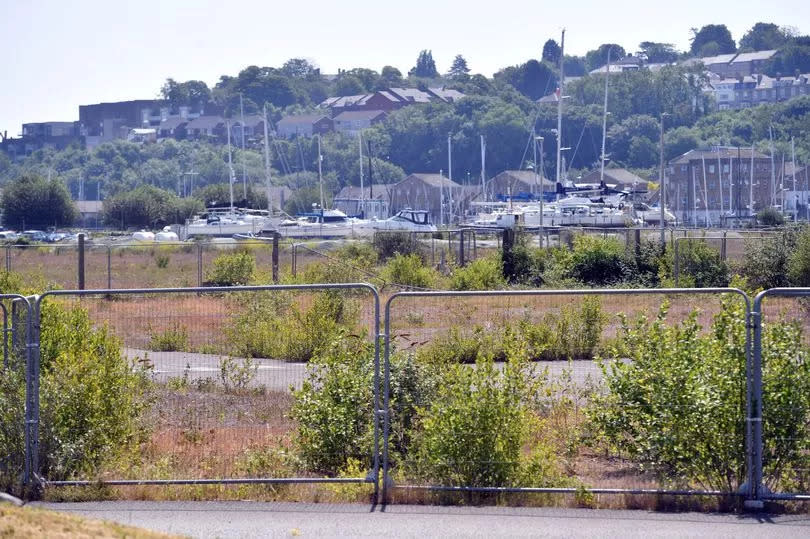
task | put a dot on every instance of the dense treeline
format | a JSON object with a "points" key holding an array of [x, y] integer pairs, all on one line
{"points": [[502, 108]]}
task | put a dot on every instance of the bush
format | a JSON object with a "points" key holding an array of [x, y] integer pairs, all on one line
{"points": [[334, 407], [275, 327], [409, 270], [766, 260], [700, 265], [478, 429], [92, 401], [770, 217], [390, 244], [232, 269], [656, 407], [799, 263], [482, 274], [599, 261], [172, 339]]}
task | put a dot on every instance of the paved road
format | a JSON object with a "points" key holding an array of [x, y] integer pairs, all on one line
{"points": [[278, 375], [254, 519]]}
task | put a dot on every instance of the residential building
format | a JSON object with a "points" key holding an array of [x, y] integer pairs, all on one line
{"points": [[752, 90], [735, 64], [253, 126], [628, 63], [444, 199], [720, 177], [389, 99], [102, 122], [174, 127], [354, 121], [371, 202], [207, 127], [142, 135], [517, 184], [37, 136], [89, 212], [304, 125]]}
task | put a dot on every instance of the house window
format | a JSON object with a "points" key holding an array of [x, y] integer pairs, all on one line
{"points": [[725, 169], [683, 168], [711, 169]]}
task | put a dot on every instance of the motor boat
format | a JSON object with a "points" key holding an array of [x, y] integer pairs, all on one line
{"points": [[144, 236], [224, 222], [166, 235], [406, 220]]}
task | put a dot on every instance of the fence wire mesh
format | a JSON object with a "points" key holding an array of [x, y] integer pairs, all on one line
{"points": [[785, 359], [508, 391], [212, 384]]}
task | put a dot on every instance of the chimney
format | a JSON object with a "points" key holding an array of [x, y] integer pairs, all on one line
{"points": [[778, 76]]}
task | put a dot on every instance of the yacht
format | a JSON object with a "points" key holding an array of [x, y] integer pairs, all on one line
{"points": [[224, 222], [406, 220]]}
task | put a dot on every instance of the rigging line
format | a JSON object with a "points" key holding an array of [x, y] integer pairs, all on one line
{"points": [[576, 148], [533, 123]]}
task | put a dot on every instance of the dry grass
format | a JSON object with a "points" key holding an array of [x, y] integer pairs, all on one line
{"points": [[33, 522]]}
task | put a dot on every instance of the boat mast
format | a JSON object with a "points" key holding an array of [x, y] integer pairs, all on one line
{"points": [[705, 193], [773, 168], [267, 178], [483, 168], [362, 192], [793, 156], [450, 175], [604, 120], [720, 183], [320, 174], [751, 185], [231, 175], [559, 104], [244, 164]]}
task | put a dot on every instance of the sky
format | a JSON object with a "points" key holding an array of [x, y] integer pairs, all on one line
{"points": [[57, 55]]}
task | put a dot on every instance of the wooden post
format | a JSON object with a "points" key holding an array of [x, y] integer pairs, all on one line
{"points": [[461, 247], [275, 257], [506, 254], [81, 262], [723, 246]]}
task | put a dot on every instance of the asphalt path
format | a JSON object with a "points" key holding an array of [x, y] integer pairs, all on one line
{"points": [[260, 519], [278, 375]]}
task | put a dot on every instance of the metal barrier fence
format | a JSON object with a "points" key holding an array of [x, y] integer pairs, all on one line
{"points": [[562, 325], [18, 357], [217, 406]]}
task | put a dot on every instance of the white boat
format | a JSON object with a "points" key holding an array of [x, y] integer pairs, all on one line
{"points": [[226, 223], [322, 224], [166, 235], [406, 220], [144, 236], [652, 215]]}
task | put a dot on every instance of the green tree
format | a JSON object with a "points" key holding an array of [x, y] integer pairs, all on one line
{"points": [[763, 36], [31, 201], [597, 58], [390, 77], [425, 66], [710, 40], [194, 93], [459, 70], [299, 68], [533, 79], [348, 85], [793, 58], [658, 53], [147, 206], [551, 52]]}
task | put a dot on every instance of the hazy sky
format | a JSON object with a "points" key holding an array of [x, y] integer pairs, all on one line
{"points": [[57, 55]]}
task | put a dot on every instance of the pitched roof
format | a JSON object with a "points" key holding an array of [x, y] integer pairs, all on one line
{"points": [[411, 95], [527, 177], [353, 192], [89, 206], [446, 94], [250, 120], [349, 115], [206, 122], [172, 123], [754, 56], [719, 59], [434, 180], [301, 119], [714, 153]]}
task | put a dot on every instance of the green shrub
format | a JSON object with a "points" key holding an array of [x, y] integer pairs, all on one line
{"points": [[162, 260], [172, 339], [523, 264], [275, 327], [677, 405], [409, 270], [479, 428], [231, 269], [799, 263], [482, 274], [237, 375], [700, 265], [334, 407], [599, 261], [767, 259], [389, 244], [92, 398], [770, 217]]}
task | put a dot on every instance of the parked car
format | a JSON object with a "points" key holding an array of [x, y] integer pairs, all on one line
{"points": [[35, 235], [8, 235]]}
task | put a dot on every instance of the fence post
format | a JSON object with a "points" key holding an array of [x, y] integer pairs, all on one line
{"points": [[461, 247], [81, 262], [109, 267], [723, 247], [677, 269], [199, 264], [8, 258], [275, 257], [754, 409], [295, 260], [637, 241]]}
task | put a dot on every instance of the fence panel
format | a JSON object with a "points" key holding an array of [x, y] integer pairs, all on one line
{"points": [[18, 387], [208, 383], [782, 362], [544, 416]]}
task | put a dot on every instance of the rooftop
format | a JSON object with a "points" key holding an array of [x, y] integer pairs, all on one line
{"points": [[724, 152], [349, 115]]}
